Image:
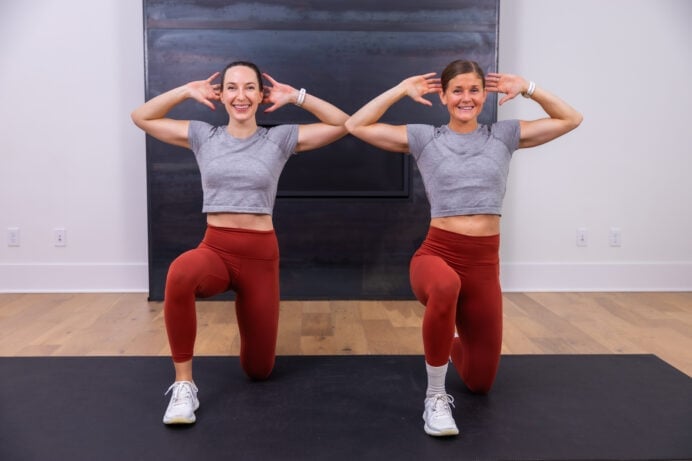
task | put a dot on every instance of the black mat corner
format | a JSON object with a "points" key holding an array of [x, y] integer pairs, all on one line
{"points": [[543, 407]]}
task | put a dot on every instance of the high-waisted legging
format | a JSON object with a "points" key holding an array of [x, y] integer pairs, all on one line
{"points": [[245, 261], [456, 277]]}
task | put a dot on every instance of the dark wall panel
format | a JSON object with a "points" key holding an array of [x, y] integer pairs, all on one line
{"points": [[348, 216]]}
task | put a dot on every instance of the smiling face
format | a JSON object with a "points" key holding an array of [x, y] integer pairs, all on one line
{"points": [[241, 92], [464, 97]]}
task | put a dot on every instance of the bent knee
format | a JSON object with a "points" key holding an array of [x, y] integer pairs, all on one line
{"points": [[481, 380], [258, 371], [179, 274], [480, 387], [445, 288]]}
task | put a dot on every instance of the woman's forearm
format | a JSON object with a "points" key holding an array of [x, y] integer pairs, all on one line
{"points": [[556, 108], [562, 118], [324, 111], [151, 117], [157, 108], [374, 110]]}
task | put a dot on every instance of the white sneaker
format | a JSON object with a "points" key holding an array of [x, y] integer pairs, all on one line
{"points": [[184, 402], [438, 415]]}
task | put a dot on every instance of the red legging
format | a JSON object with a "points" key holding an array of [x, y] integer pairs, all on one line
{"points": [[243, 260], [456, 277]]}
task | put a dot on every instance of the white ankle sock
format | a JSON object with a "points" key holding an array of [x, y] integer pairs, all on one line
{"points": [[436, 379]]}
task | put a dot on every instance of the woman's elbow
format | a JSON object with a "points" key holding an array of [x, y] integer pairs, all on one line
{"points": [[570, 123], [136, 118], [350, 125], [359, 131], [578, 118], [574, 119]]}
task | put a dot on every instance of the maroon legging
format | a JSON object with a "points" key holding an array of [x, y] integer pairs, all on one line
{"points": [[243, 260], [456, 277]]}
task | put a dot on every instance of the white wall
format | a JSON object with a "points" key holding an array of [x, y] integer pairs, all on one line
{"points": [[625, 65], [72, 70]]}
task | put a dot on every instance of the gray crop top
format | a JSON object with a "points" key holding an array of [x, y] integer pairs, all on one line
{"points": [[241, 175], [464, 174]]}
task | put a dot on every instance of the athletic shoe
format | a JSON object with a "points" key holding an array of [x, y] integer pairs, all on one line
{"points": [[181, 409], [438, 416]]}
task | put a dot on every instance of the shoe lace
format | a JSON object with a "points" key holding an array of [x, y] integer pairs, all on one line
{"points": [[182, 392], [442, 403]]}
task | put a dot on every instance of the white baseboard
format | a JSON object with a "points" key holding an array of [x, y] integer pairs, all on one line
{"points": [[638, 276], [74, 278], [515, 277]]}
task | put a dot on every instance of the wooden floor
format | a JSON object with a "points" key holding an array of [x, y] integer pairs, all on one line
{"points": [[534, 323]]}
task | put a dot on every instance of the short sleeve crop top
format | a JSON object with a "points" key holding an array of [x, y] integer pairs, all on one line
{"points": [[241, 175], [464, 174]]}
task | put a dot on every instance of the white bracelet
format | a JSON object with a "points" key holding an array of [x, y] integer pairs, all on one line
{"points": [[532, 87], [301, 97]]}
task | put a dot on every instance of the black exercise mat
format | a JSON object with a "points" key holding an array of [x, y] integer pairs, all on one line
{"points": [[549, 407]]}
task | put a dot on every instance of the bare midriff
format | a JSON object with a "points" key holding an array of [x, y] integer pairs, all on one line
{"points": [[241, 221], [479, 225]]}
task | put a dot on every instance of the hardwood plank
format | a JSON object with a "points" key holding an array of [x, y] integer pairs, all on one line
{"points": [[534, 323]]}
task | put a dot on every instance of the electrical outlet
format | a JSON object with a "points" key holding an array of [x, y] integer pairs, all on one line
{"points": [[59, 237], [582, 237], [615, 237], [13, 237]]}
